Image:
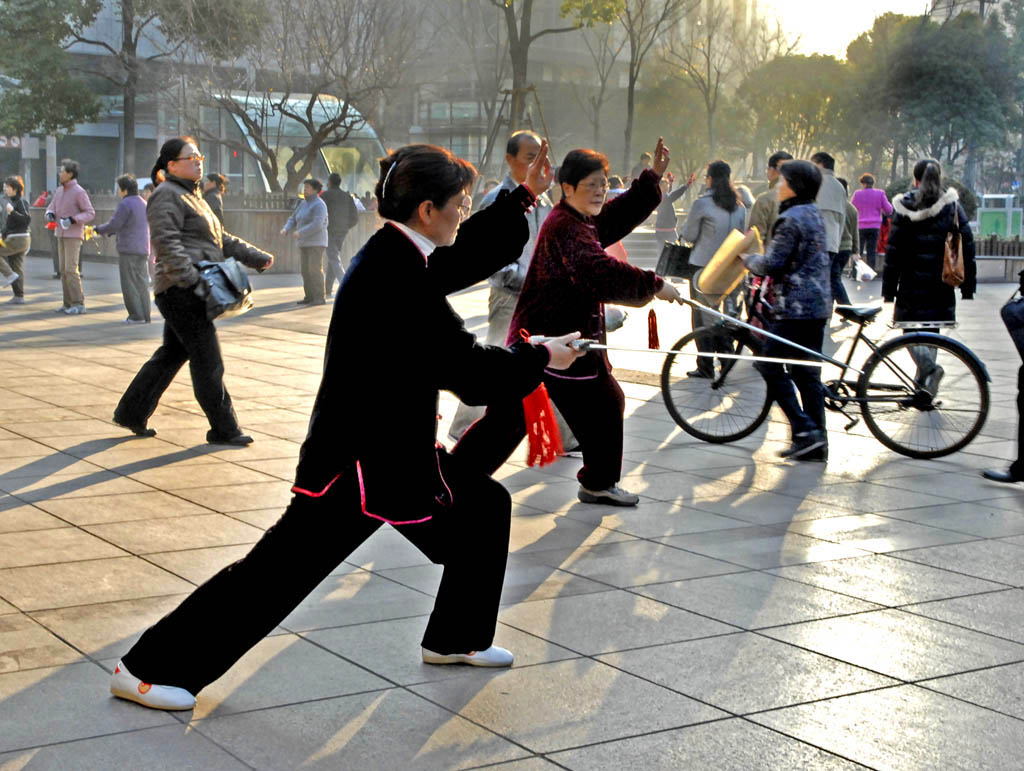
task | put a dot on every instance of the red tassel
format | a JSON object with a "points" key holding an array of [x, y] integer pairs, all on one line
{"points": [[545, 443], [652, 330]]}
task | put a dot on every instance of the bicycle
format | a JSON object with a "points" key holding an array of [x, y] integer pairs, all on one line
{"points": [[920, 394]]}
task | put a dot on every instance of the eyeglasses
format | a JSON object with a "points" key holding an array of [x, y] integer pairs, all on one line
{"points": [[465, 207], [192, 157], [591, 187]]}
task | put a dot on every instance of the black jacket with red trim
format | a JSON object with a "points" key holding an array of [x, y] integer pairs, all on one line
{"points": [[375, 415]]}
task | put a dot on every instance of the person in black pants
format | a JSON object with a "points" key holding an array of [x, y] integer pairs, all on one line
{"points": [[185, 231], [1016, 471], [798, 263], [368, 459]]}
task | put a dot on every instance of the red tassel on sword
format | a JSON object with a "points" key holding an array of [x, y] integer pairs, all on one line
{"points": [[652, 330], [544, 441]]}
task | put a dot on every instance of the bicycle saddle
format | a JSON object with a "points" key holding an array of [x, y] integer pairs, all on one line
{"points": [[861, 314]]}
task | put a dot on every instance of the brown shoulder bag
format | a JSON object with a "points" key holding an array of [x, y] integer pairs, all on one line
{"points": [[953, 253]]}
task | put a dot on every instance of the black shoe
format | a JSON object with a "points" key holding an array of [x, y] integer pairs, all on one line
{"points": [[137, 429], [303, 301], [818, 456], [700, 373], [804, 443], [238, 440], [1001, 476]]}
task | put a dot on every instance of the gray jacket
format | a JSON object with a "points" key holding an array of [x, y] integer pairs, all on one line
{"points": [[831, 203], [309, 220], [707, 224], [511, 277]]}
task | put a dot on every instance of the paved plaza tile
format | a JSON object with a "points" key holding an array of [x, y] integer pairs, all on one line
{"points": [[749, 613]]}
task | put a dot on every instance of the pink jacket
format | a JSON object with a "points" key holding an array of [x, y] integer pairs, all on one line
{"points": [[871, 204], [71, 200]]}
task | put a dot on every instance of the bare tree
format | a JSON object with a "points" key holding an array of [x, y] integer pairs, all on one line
{"points": [[604, 46], [644, 22], [324, 66]]}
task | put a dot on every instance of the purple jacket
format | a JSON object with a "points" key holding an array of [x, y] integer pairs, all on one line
{"points": [[871, 204], [130, 225], [71, 200]]}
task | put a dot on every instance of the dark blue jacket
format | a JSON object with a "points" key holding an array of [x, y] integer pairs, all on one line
{"points": [[798, 263]]}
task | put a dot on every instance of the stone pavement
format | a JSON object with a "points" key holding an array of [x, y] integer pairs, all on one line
{"points": [[749, 614]]}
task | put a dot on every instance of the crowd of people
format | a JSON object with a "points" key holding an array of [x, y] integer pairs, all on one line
{"points": [[542, 239]]}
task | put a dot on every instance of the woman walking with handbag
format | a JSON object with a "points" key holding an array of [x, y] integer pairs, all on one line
{"points": [[915, 258], [185, 232], [375, 463]]}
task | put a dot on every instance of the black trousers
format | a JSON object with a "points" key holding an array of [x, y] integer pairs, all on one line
{"points": [[838, 262], [204, 636], [592, 408], [1017, 467], [784, 380], [869, 244], [313, 273], [188, 336]]}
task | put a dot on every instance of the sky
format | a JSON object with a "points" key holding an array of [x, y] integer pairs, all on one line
{"points": [[829, 26]]}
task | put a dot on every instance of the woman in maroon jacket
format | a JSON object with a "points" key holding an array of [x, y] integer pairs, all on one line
{"points": [[570, 279]]}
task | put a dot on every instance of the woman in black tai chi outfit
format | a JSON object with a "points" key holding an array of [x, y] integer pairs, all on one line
{"points": [[368, 459]]}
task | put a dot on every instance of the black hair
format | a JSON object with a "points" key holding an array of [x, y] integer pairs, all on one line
{"points": [[826, 160], [844, 183], [128, 183], [579, 164], [722, 191], [775, 158], [803, 178], [16, 183], [515, 142], [928, 174], [219, 180], [314, 183], [614, 182], [148, 186], [416, 173], [70, 166], [867, 180], [169, 151], [334, 179]]}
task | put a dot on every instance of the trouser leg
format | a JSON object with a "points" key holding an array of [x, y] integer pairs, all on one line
{"points": [[17, 262], [869, 245], [134, 285], [470, 538], [143, 394], [5, 267], [783, 384], [594, 410], [1017, 467], [838, 262], [71, 278], [12, 257], [334, 270], [204, 636], [490, 441], [924, 357], [313, 272], [699, 319]]}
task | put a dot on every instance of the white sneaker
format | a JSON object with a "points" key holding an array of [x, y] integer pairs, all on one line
{"points": [[612, 496], [125, 685], [16, 300], [76, 310], [8, 280], [492, 657]]}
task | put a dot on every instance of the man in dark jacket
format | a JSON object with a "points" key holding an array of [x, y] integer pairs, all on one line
{"points": [[341, 218]]}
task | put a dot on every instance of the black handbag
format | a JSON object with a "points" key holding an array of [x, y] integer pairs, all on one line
{"points": [[675, 261], [230, 291]]}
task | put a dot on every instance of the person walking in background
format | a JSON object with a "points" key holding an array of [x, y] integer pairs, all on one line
{"points": [[715, 214], [16, 239], [766, 207], [848, 243], [831, 203], [644, 163], [798, 264], [1015, 473], [214, 187], [185, 232], [914, 258], [871, 205], [342, 216], [147, 191], [132, 229], [666, 220], [309, 222], [70, 209]]}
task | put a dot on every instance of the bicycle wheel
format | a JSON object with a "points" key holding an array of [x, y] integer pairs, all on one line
{"points": [[725, 407], [925, 396]]}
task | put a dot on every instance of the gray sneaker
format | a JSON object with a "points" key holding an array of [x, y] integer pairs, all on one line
{"points": [[76, 310], [932, 380], [16, 300], [611, 496], [61, 309]]}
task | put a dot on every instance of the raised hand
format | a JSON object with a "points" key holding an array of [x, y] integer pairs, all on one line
{"points": [[538, 173], [660, 162]]}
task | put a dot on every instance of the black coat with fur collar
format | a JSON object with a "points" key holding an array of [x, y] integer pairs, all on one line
{"points": [[393, 343], [913, 259]]}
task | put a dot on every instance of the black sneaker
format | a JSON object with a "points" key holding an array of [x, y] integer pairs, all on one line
{"points": [[706, 374], [819, 456], [238, 440], [135, 428], [804, 443]]}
